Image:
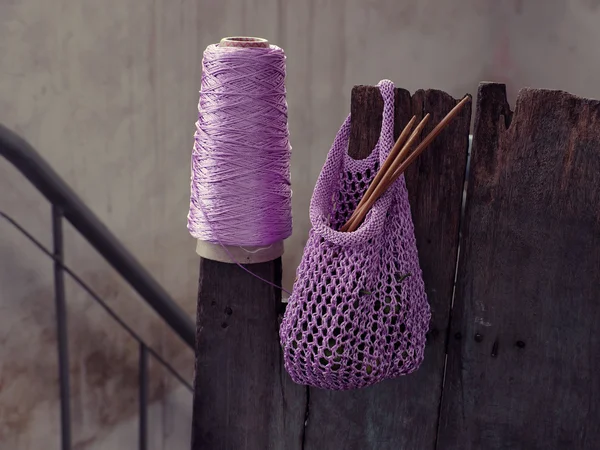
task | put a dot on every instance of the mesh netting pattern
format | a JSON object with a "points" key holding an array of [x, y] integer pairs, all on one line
{"points": [[358, 312]]}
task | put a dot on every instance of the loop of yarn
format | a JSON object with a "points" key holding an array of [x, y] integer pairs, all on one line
{"points": [[240, 184]]}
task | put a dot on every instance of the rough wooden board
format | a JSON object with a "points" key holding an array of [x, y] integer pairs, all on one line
{"points": [[243, 398], [402, 413], [525, 374]]}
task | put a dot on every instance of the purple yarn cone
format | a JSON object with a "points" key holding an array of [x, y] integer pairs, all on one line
{"points": [[240, 181]]}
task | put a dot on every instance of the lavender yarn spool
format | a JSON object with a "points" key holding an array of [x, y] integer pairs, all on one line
{"points": [[240, 203]]}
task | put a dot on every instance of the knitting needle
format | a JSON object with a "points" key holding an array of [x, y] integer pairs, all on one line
{"points": [[382, 187], [387, 171], [387, 163]]}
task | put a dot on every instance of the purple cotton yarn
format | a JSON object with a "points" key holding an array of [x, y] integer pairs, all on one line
{"points": [[240, 183]]}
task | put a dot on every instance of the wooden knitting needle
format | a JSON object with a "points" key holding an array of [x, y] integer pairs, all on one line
{"points": [[383, 186], [387, 170], [387, 163], [430, 137]]}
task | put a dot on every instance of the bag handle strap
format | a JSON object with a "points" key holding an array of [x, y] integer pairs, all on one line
{"points": [[386, 137]]}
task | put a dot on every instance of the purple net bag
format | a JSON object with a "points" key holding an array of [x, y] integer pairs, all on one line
{"points": [[358, 312]]}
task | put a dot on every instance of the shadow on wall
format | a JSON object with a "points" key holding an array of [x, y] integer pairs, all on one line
{"points": [[104, 358]]}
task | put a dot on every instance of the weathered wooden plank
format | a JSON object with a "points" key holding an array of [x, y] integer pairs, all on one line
{"points": [[243, 399], [403, 413], [523, 367]]}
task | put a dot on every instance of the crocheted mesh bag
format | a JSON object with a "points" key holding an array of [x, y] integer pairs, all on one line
{"points": [[358, 312]]}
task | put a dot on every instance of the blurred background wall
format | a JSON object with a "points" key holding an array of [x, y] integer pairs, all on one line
{"points": [[107, 92]]}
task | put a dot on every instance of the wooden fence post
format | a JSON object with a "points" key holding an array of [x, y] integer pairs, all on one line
{"points": [[403, 413], [523, 366], [243, 399]]}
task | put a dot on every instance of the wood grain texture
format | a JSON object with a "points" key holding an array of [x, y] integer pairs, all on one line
{"points": [[243, 398], [525, 374], [402, 413]]}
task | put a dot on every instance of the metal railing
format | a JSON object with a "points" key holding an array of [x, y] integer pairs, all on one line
{"points": [[67, 205]]}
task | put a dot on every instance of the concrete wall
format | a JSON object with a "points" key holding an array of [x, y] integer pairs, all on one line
{"points": [[107, 92]]}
